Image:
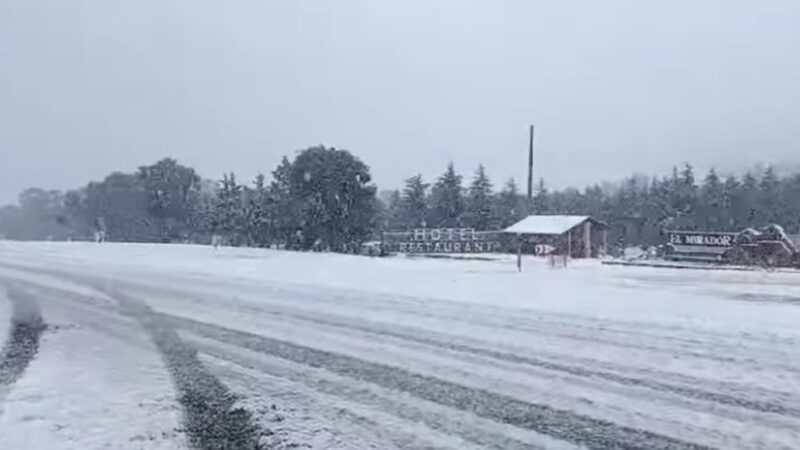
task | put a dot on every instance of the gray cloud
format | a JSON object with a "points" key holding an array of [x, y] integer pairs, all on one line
{"points": [[87, 87]]}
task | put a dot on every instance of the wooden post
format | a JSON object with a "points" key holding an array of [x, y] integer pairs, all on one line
{"points": [[587, 239], [530, 173], [569, 244]]}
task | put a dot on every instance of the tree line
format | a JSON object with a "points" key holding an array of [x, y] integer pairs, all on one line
{"points": [[324, 199], [321, 199], [647, 205]]}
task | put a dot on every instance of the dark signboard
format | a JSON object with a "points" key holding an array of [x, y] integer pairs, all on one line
{"points": [[442, 240], [698, 238]]}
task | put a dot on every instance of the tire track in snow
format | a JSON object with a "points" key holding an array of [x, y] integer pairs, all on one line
{"points": [[756, 402], [22, 343], [418, 336], [346, 392], [442, 309], [212, 420], [559, 424], [321, 381], [112, 321], [546, 324], [616, 333], [436, 310]]}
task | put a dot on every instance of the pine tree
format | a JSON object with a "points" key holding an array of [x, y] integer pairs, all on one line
{"points": [[283, 210], [769, 181], [731, 203], [771, 204], [687, 176], [228, 211], [687, 190], [631, 197], [672, 187], [202, 220], [257, 221], [479, 202], [447, 200], [510, 205], [541, 200], [791, 193], [596, 203], [656, 209], [393, 211], [749, 197], [711, 201], [413, 207]]}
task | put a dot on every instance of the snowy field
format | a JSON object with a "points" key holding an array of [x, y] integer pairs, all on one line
{"points": [[343, 352]]}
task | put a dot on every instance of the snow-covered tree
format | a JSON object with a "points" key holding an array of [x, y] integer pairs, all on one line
{"points": [[447, 200], [413, 204], [479, 211], [509, 205]]}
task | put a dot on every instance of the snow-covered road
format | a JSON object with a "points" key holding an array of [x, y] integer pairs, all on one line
{"points": [[343, 352]]}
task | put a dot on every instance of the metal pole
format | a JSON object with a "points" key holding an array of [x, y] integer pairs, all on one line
{"points": [[569, 245], [530, 172]]}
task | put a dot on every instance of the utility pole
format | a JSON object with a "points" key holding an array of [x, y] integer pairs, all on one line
{"points": [[530, 173]]}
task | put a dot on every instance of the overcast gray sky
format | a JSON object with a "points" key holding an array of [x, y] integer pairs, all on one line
{"points": [[87, 87]]}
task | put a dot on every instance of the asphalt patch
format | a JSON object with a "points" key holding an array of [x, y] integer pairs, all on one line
{"points": [[22, 343]]}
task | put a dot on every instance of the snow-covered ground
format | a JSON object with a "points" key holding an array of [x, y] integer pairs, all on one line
{"points": [[5, 316], [96, 382], [332, 351]]}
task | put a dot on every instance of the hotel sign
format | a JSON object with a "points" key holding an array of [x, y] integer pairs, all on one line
{"points": [[442, 240]]}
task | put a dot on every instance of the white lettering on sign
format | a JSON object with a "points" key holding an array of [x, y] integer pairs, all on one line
{"points": [[442, 240], [711, 240], [445, 234]]}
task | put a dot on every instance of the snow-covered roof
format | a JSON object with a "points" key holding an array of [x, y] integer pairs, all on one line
{"points": [[546, 224]]}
